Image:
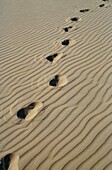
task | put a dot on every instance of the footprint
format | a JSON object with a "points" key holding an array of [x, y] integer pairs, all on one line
{"points": [[74, 19], [68, 42], [55, 57], [66, 29], [58, 81], [84, 10], [54, 81], [102, 5], [9, 162], [30, 111], [22, 113]]}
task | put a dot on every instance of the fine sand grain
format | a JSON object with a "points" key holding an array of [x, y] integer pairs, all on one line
{"points": [[56, 69]]}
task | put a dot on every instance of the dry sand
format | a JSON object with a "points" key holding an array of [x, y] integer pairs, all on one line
{"points": [[73, 128]]}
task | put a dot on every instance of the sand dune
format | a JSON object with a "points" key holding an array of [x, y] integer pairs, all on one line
{"points": [[56, 67]]}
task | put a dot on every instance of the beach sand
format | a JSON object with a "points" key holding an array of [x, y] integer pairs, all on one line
{"points": [[56, 84]]}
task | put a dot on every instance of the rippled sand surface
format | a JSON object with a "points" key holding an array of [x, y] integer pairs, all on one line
{"points": [[56, 84]]}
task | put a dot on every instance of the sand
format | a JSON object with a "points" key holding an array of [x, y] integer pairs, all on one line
{"points": [[71, 129]]}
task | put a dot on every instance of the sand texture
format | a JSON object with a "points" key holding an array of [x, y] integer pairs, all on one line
{"points": [[56, 84]]}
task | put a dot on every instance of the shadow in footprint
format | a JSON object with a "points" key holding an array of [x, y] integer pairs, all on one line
{"points": [[75, 19], [54, 81], [31, 106], [102, 5], [51, 57], [84, 10], [54, 57], [5, 162], [67, 28], [105, 0], [9, 161], [30, 111], [1, 165], [66, 42], [22, 113], [58, 81]]}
